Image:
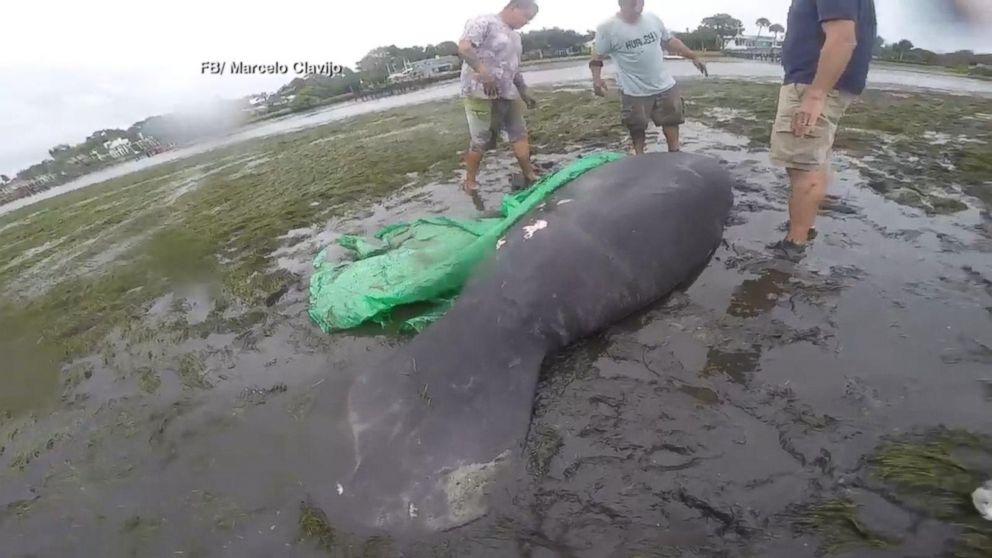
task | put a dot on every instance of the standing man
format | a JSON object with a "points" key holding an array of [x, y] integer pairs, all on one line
{"points": [[649, 92], [826, 56], [493, 88]]}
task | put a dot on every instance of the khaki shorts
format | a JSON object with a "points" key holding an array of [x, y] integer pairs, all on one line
{"points": [[664, 109], [814, 151], [488, 118]]}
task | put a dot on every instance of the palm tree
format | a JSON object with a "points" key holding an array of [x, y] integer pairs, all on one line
{"points": [[777, 29], [902, 47], [762, 23]]}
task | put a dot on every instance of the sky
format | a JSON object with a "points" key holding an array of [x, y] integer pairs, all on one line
{"points": [[68, 68]]}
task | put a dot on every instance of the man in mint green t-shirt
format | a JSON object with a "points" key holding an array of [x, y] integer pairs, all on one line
{"points": [[634, 40]]}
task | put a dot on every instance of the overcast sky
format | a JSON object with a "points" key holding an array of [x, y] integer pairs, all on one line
{"points": [[68, 68]]}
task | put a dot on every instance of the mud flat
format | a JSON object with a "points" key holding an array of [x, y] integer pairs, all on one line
{"points": [[159, 364]]}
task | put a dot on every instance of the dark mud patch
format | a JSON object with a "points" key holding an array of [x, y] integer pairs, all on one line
{"points": [[742, 416]]}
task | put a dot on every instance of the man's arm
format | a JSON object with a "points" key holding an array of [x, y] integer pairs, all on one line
{"points": [[518, 81], [601, 48], [475, 33], [838, 48], [467, 51], [675, 45]]}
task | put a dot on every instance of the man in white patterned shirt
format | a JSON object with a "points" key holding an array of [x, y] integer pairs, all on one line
{"points": [[493, 87]]}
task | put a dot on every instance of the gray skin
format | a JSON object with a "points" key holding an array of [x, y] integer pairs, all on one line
{"points": [[436, 422]]}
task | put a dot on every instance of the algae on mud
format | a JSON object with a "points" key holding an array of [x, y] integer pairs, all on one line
{"points": [[915, 147], [837, 524], [932, 473], [77, 288], [936, 472], [233, 205]]}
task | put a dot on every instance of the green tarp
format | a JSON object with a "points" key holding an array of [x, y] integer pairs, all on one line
{"points": [[422, 263]]}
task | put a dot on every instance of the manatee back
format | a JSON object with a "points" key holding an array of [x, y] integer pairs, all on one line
{"points": [[615, 240]]}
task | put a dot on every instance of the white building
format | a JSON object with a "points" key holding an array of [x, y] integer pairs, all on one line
{"points": [[743, 43], [120, 147], [427, 68]]}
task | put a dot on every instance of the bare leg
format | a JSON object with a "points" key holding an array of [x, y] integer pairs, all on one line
{"points": [[672, 137], [639, 137], [522, 150], [473, 158], [809, 188]]}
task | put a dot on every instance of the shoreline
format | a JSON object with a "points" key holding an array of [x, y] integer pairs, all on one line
{"points": [[311, 117]]}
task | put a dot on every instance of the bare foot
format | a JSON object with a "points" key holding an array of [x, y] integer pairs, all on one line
{"points": [[470, 187]]}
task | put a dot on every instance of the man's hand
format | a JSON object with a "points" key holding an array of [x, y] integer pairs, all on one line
{"points": [[676, 46], [599, 87], [701, 66], [809, 113], [531, 102], [489, 86]]}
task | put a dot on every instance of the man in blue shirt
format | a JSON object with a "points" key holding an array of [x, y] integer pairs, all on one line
{"points": [[826, 55]]}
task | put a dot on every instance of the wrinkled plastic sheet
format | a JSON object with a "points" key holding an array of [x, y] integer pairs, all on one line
{"points": [[423, 263]]}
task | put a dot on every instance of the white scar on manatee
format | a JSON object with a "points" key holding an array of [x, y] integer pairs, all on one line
{"points": [[466, 490], [531, 230]]}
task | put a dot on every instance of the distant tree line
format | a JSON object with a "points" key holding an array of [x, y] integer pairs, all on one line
{"points": [[712, 32], [378, 64], [905, 51]]}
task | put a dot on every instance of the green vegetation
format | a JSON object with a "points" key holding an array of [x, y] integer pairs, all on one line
{"points": [[315, 526], [906, 52], [935, 474], [713, 32], [931, 473], [925, 472], [82, 265], [316, 529], [910, 145], [836, 523], [544, 444], [86, 264], [376, 66], [544, 43]]}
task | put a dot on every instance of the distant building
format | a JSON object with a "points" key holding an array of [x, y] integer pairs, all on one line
{"points": [[119, 148], [34, 184], [256, 104], [434, 66], [80, 159], [259, 99], [276, 101], [574, 50], [748, 43], [146, 145]]}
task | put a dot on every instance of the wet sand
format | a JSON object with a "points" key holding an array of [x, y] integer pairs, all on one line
{"points": [[704, 426]]}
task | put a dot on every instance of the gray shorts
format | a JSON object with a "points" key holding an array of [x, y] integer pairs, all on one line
{"points": [[664, 109], [487, 118]]}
